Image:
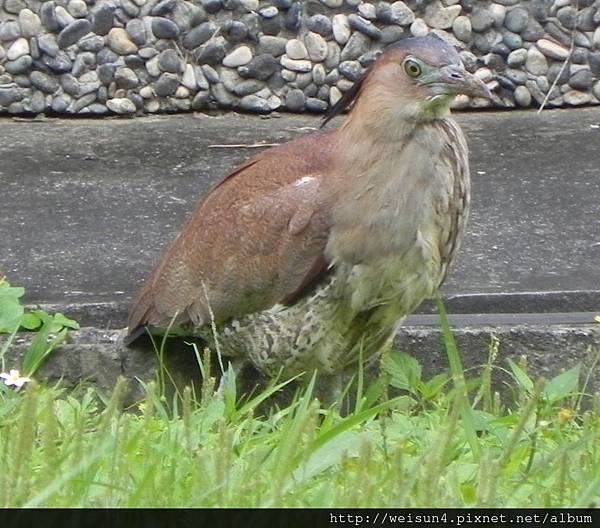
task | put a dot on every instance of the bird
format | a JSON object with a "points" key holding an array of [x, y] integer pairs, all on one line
{"points": [[308, 256]]}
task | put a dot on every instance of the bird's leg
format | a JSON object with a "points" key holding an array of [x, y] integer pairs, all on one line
{"points": [[330, 388]]}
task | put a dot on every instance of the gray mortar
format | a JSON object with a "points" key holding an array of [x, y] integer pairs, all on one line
{"points": [[147, 56], [97, 357]]}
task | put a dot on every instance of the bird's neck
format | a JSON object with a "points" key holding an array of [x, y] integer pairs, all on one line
{"points": [[384, 118]]}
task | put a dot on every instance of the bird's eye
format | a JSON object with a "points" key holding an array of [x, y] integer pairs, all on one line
{"points": [[412, 68]]}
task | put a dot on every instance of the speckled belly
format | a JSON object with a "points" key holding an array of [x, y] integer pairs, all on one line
{"points": [[330, 329]]}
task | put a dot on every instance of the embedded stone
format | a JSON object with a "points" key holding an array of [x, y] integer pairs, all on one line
{"points": [[212, 6], [43, 82], [106, 56], [533, 31], [210, 73], [170, 61], [152, 67], [367, 11], [334, 95], [594, 62], [498, 13], [77, 8], [106, 73], [166, 85], [73, 32], [536, 62], [316, 46], [461, 27], [30, 23], [199, 35], [21, 65], [401, 14], [567, 16], [119, 42], [552, 49], [48, 16], [484, 42], [126, 78], [295, 49], [17, 49], [341, 28], [92, 43], [481, 20], [102, 19], [418, 28], [253, 103], [213, 52], [250, 5], [164, 28], [351, 70], [295, 65], [516, 19], [238, 57], [295, 100], [14, 6], [270, 26], [318, 74], [234, 31], [163, 7], [9, 95], [333, 54], [577, 98], [292, 18], [439, 17], [271, 45], [268, 12], [261, 67], [358, 23], [355, 47], [9, 30], [147, 92], [517, 58], [391, 34], [121, 106], [60, 63], [319, 24], [136, 29], [512, 41], [315, 105], [247, 87], [582, 80], [522, 96], [63, 16]]}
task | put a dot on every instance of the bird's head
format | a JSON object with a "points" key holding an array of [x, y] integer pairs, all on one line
{"points": [[414, 80]]}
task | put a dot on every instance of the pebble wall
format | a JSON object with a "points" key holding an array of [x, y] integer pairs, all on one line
{"points": [[148, 56]]}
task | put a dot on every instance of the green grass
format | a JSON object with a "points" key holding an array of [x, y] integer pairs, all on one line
{"points": [[447, 441]]}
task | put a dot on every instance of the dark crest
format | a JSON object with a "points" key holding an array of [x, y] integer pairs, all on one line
{"points": [[347, 99]]}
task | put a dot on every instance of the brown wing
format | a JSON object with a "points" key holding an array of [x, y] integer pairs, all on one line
{"points": [[256, 240]]}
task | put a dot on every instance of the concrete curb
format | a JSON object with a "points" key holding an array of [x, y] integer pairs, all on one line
{"points": [[94, 356]]}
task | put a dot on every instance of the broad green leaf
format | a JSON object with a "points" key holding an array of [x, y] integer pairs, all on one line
{"points": [[562, 385], [30, 321], [11, 310], [10, 316], [65, 321], [404, 371]]}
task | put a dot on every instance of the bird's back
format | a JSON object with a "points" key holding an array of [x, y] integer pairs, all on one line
{"points": [[238, 252]]}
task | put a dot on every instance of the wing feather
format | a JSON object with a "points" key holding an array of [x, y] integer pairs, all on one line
{"points": [[256, 240]]}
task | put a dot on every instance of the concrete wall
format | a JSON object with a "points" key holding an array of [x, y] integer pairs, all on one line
{"points": [[148, 56]]}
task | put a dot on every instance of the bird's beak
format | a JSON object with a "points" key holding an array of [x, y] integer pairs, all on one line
{"points": [[454, 79]]}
